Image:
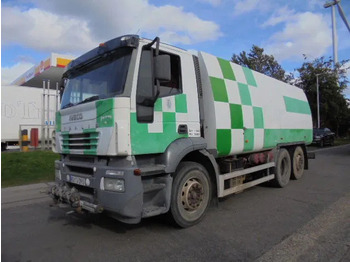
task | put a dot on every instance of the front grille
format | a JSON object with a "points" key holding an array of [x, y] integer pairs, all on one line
{"points": [[85, 159], [88, 140], [81, 170]]}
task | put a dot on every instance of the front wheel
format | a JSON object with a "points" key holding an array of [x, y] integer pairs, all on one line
{"points": [[191, 194]]}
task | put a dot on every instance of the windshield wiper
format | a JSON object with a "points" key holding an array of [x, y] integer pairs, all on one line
{"points": [[89, 99], [67, 105]]}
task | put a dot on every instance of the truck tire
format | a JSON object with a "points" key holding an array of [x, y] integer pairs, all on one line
{"points": [[283, 169], [191, 194], [298, 163]]}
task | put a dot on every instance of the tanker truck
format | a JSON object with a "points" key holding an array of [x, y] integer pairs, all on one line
{"points": [[146, 128]]}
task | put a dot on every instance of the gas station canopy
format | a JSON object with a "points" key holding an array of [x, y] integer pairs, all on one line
{"points": [[49, 70]]}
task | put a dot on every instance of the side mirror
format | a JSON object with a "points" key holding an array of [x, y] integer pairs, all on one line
{"points": [[162, 69], [62, 85], [146, 92], [63, 82]]}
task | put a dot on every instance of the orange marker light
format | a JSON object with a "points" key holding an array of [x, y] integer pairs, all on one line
{"points": [[137, 172]]}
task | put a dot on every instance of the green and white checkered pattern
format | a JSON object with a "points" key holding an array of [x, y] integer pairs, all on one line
{"points": [[232, 96], [156, 137], [246, 112]]}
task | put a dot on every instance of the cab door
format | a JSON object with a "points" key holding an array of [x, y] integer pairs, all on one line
{"points": [[175, 112]]}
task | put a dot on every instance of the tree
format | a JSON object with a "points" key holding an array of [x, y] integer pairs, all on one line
{"points": [[260, 62], [334, 111]]}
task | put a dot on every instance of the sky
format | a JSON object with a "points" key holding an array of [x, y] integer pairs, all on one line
{"points": [[32, 29]]}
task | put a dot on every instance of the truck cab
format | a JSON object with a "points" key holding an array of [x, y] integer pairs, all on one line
{"points": [[122, 106]]}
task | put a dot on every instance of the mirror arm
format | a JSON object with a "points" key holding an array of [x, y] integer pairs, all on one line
{"points": [[155, 40]]}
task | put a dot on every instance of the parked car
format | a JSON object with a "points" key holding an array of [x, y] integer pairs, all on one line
{"points": [[323, 136]]}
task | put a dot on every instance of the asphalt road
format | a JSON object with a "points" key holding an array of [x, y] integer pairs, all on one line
{"points": [[309, 220]]}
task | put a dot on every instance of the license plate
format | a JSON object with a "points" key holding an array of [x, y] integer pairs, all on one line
{"points": [[77, 180]]}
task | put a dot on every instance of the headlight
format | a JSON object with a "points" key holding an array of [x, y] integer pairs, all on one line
{"points": [[58, 174], [112, 184]]}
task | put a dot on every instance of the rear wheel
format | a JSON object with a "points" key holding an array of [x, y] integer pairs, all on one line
{"points": [[191, 194], [298, 163], [282, 169]]}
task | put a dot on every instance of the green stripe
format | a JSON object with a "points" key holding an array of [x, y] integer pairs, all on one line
{"points": [[105, 112], [248, 140], [258, 117], [236, 116], [92, 151], [181, 103], [226, 69], [249, 76], [158, 106], [90, 130], [223, 141], [244, 94], [144, 142], [297, 106], [273, 137], [219, 89], [65, 148], [58, 121]]}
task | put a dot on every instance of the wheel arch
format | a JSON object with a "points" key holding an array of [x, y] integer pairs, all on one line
{"points": [[191, 149], [207, 160]]}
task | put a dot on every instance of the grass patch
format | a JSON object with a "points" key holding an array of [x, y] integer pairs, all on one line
{"points": [[341, 141], [22, 168]]}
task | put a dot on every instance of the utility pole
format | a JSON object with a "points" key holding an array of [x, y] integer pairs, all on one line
{"points": [[318, 98], [334, 30], [318, 101]]}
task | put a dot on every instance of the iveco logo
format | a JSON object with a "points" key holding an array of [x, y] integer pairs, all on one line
{"points": [[76, 117]]}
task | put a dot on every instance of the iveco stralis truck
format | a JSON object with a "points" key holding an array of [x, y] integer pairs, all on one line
{"points": [[147, 128]]}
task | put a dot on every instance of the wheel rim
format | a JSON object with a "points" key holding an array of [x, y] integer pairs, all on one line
{"points": [[299, 161], [284, 167], [192, 194]]}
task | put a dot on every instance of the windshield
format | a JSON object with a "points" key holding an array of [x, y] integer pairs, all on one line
{"points": [[102, 79]]}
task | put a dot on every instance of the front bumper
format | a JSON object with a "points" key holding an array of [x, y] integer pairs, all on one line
{"points": [[91, 195]]}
